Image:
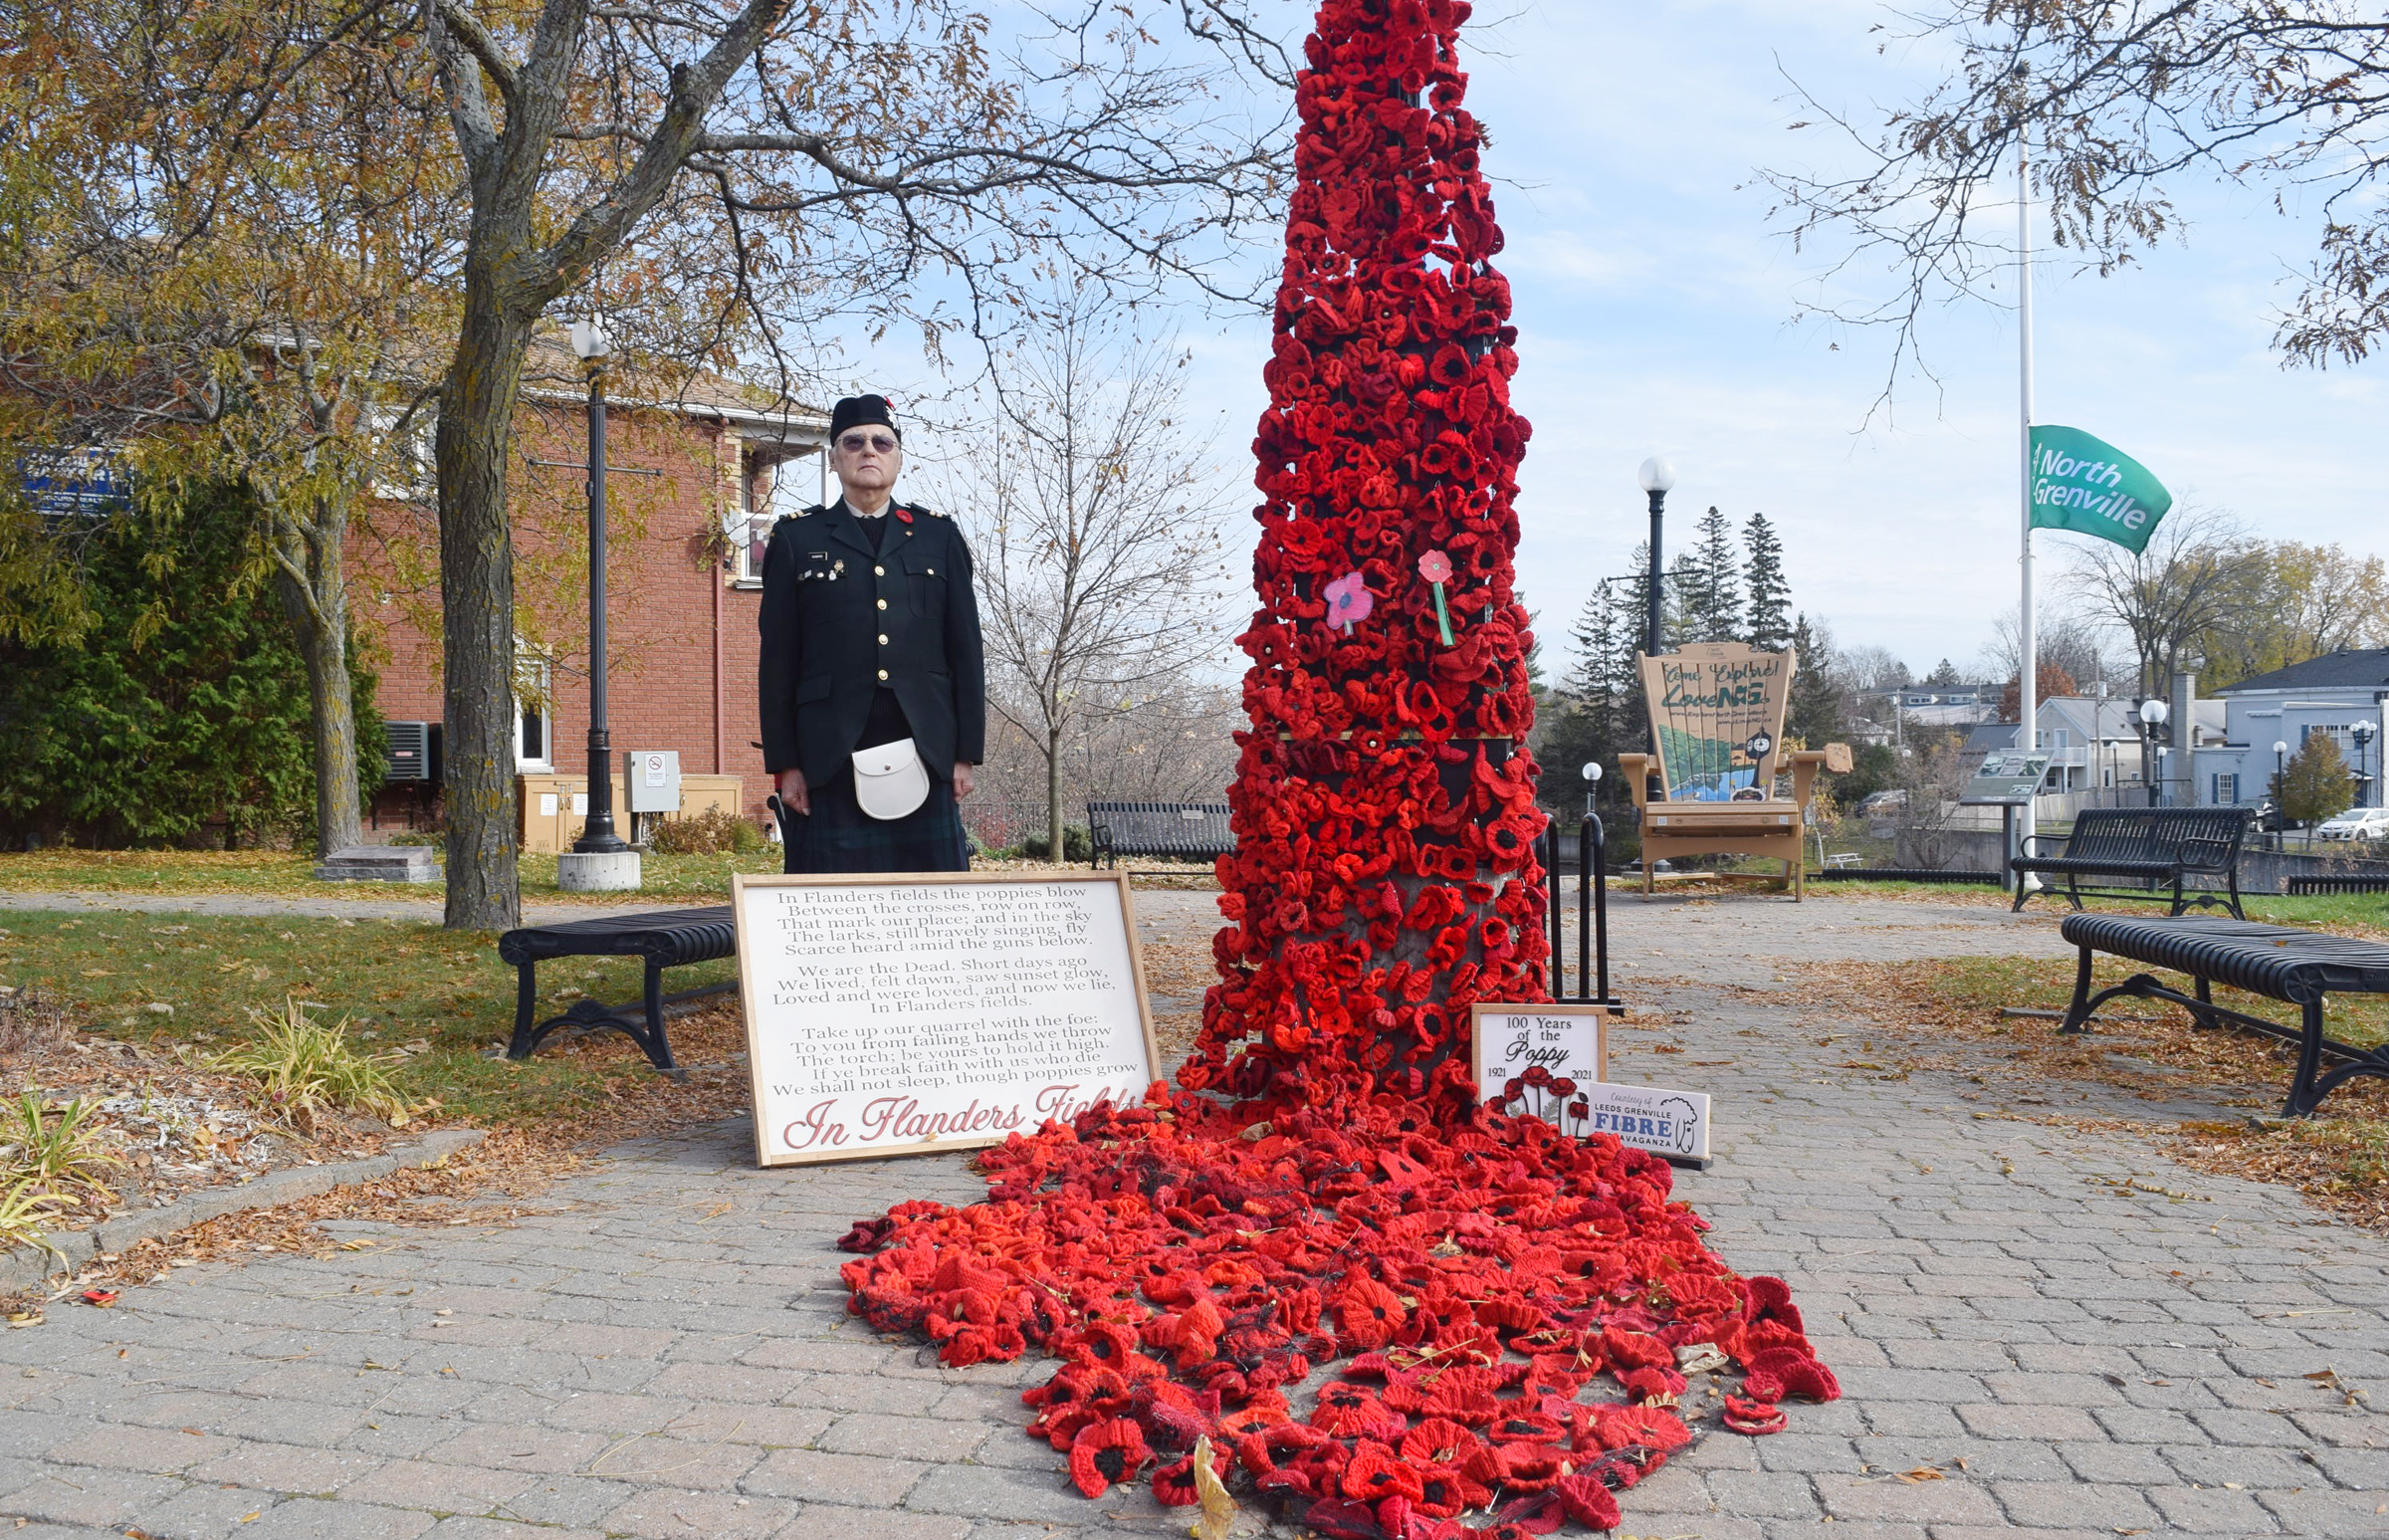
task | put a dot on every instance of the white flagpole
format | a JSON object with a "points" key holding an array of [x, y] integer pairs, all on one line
{"points": [[2028, 733]]}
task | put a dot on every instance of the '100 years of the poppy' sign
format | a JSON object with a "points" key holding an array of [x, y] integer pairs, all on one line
{"points": [[892, 1014], [1552, 1062]]}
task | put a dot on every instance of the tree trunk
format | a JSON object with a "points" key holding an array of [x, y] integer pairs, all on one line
{"points": [[477, 604], [318, 608], [1058, 852]]}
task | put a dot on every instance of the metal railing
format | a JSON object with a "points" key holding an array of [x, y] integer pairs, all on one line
{"points": [[1592, 913]]}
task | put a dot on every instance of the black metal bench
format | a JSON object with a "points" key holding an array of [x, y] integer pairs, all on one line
{"points": [[2297, 967], [1191, 830], [2153, 846], [671, 938]]}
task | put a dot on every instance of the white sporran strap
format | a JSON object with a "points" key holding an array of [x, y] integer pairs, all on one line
{"points": [[889, 778]]}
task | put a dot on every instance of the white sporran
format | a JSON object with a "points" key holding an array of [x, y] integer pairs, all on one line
{"points": [[889, 780]]}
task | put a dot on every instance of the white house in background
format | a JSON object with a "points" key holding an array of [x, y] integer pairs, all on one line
{"points": [[2092, 743], [2344, 694]]}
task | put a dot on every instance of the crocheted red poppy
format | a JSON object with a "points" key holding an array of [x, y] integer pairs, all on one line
{"points": [[1378, 1473], [1105, 1454], [1747, 1415]]}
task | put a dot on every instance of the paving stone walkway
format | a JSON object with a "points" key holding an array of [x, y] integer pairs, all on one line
{"points": [[2040, 1330]]}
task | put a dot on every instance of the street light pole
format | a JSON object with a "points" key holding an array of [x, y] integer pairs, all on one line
{"points": [[2362, 733], [2152, 717], [1657, 475], [600, 861], [2280, 792]]}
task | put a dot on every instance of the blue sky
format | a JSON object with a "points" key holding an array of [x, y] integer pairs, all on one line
{"points": [[1656, 307], [1656, 313]]}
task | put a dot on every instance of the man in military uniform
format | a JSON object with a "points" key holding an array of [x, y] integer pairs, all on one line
{"points": [[870, 633]]}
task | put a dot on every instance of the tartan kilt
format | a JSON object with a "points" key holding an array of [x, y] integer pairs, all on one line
{"points": [[838, 836]]}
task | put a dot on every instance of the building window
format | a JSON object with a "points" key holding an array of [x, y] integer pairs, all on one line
{"points": [[747, 561], [534, 712], [405, 470], [2227, 790]]}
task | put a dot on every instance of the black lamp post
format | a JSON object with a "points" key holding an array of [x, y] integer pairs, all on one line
{"points": [[2362, 733], [1656, 477], [2281, 790], [2152, 717], [597, 837]]}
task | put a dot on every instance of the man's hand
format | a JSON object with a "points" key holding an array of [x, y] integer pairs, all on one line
{"points": [[964, 777], [792, 794]]}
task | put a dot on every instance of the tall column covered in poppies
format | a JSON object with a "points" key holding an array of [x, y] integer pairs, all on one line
{"points": [[1383, 800]]}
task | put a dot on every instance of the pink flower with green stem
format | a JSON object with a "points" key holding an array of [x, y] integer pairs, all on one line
{"points": [[1435, 567], [1348, 600]]}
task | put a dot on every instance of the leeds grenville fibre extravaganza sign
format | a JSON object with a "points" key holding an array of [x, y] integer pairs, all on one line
{"points": [[892, 1014]]}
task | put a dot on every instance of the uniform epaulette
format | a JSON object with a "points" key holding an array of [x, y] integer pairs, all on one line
{"points": [[920, 508]]}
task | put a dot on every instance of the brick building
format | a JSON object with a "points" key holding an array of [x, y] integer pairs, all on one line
{"points": [[692, 487]]}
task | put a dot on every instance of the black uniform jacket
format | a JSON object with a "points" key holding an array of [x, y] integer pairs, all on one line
{"points": [[841, 619]]}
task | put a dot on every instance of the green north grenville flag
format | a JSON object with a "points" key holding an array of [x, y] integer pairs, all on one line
{"points": [[2091, 487]]}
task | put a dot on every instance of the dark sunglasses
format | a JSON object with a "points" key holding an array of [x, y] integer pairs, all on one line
{"points": [[856, 443]]}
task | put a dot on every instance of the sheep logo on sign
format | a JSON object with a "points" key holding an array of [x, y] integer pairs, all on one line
{"points": [[1683, 1122]]}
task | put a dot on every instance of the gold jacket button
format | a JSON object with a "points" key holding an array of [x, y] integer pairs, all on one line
{"points": [[883, 638], [883, 603], [879, 572], [883, 673]]}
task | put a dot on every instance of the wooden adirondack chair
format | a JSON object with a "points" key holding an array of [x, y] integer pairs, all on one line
{"points": [[1717, 715]]}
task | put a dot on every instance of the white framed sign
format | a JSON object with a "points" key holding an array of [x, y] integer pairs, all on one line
{"points": [[893, 1013], [1569, 1042], [1670, 1124]]}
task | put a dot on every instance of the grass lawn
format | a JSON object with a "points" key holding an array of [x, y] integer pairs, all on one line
{"points": [[288, 874], [441, 998], [2348, 914]]}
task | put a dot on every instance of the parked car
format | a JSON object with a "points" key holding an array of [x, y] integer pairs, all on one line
{"points": [[2357, 823], [2267, 819], [1881, 804]]}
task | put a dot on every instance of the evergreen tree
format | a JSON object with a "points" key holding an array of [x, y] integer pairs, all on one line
{"points": [[184, 705], [1600, 714], [1683, 608], [1816, 714], [1710, 581], [1945, 676], [1594, 640], [1766, 615]]}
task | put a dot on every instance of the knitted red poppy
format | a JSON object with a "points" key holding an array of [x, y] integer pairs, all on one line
{"points": [[1105, 1454]]}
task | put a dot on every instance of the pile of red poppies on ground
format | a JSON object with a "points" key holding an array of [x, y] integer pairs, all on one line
{"points": [[1504, 1308]]}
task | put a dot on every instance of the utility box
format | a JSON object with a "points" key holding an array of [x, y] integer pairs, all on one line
{"points": [[653, 778], [409, 751], [552, 806]]}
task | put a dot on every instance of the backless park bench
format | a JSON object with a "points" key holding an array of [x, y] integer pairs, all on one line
{"points": [[671, 938], [2297, 967], [1189, 830], [2152, 846]]}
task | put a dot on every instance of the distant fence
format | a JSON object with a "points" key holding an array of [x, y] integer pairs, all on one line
{"points": [[2261, 871], [999, 825], [1926, 874], [2311, 887]]}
